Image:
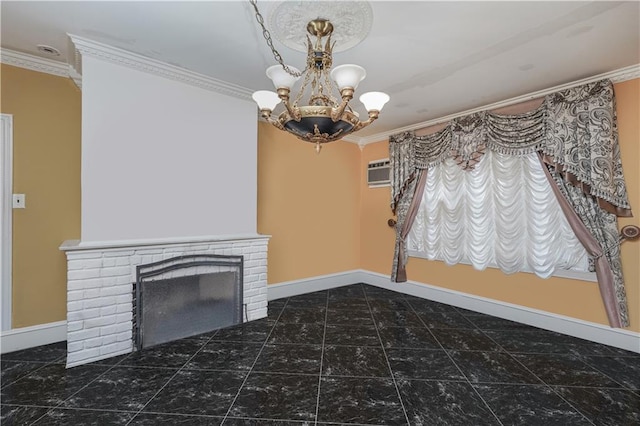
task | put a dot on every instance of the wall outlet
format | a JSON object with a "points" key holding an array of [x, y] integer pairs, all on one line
{"points": [[19, 201]]}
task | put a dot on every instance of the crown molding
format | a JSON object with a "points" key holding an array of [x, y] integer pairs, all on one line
{"points": [[86, 47], [33, 63], [616, 76]]}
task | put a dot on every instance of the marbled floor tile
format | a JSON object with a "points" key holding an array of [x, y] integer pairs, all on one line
{"points": [[171, 355], [295, 315], [350, 291], [622, 352], [394, 305], [491, 367], [65, 417], [359, 400], [303, 359], [354, 335], [10, 371], [611, 407], [149, 419], [465, 340], [564, 370], [542, 341], [397, 318], [309, 300], [408, 337], [252, 331], [297, 333], [18, 415], [45, 353], [423, 364], [382, 293], [277, 303], [235, 421], [273, 312], [344, 317], [529, 405], [225, 355], [350, 304], [624, 370], [361, 361], [445, 320], [487, 322], [275, 396], [424, 305], [121, 388], [50, 385], [198, 392], [443, 403]]}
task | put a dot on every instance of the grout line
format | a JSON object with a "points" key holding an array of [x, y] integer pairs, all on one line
{"points": [[246, 377], [386, 357], [324, 336], [456, 365], [171, 378]]}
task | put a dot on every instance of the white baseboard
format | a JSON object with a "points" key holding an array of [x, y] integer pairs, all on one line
{"points": [[29, 337], [309, 285], [594, 332]]}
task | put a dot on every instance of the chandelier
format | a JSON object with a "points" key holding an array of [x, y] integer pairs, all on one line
{"points": [[325, 117]]}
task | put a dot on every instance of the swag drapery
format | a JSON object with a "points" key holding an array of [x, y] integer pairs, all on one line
{"points": [[575, 134]]}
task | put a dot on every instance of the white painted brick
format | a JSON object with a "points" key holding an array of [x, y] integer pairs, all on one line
{"points": [[74, 295], [115, 271], [100, 322], [74, 306], [83, 274], [118, 253], [124, 336], [124, 307], [124, 327], [75, 346], [123, 261], [117, 347], [74, 326], [126, 316], [250, 293], [258, 301], [84, 264], [91, 293], [109, 329], [115, 290], [258, 256], [93, 343], [123, 279], [108, 310], [82, 315], [82, 355], [110, 262], [135, 259], [87, 255], [77, 336], [124, 298], [95, 302], [263, 277], [107, 340]]}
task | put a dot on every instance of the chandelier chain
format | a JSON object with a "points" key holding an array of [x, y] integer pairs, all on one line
{"points": [[267, 36]]}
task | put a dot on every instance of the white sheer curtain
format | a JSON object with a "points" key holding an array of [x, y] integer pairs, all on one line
{"points": [[501, 214]]}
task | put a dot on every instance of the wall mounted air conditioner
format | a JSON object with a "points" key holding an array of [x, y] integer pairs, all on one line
{"points": [[378, 173]]}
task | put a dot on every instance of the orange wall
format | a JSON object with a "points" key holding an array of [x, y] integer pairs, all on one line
{"points": [[574, 298], [46, 167], [309, 204]]}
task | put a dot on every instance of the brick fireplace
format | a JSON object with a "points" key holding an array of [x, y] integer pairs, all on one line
{"points": [[100, 279]]}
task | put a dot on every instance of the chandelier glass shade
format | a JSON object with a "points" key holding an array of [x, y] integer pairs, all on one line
{"points": [[325, 117]]}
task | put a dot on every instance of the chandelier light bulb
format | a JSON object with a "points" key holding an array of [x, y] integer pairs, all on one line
{"points": [[374, 101], [348, 75], [281, 78], [266, 99]]}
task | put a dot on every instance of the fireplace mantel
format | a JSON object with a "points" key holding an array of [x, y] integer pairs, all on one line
{"points": [[100, 277]]}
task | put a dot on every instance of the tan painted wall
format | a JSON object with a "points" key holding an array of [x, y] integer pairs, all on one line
{"points": [[574, 298], [46, 167], [309, 204]]}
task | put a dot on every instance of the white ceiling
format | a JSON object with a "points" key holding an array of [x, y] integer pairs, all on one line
{"points": [[432, 58]]}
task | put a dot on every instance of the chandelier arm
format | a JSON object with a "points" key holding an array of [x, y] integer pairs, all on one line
{"points": [[373, 116], [347, 95], [267, 36]]}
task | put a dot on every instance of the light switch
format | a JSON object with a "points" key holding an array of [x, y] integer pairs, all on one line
{"points": [[19, 201]]}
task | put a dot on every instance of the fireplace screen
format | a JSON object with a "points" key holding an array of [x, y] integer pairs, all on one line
{"points": [[185, 296]]}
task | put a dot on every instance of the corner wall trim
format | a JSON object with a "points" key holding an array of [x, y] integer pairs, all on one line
{"points": [[34, 63], [594, 332], [29, 337]]}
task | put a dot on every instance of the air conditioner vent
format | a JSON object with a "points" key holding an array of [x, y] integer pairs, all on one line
{"points": [[378, 173]]}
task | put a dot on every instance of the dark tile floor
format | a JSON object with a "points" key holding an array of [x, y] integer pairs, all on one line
{"points": [[352, 355]]}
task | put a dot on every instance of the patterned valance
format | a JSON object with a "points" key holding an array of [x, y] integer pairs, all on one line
{"points": [[576, 129]]}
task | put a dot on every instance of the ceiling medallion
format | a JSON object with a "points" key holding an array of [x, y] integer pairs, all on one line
{"points": [[288, 20], [325, 118]]}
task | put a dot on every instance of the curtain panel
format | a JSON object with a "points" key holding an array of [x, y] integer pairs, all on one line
{"points": [[574, 130]]}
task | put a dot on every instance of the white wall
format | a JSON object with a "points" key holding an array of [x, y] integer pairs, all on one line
{"points": [[164, 159]]}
